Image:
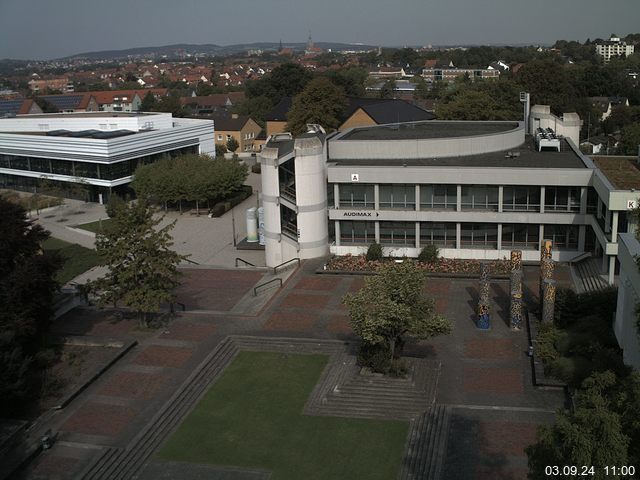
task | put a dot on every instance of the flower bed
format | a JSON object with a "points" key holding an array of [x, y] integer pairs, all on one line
{"points": [[358, 263]]}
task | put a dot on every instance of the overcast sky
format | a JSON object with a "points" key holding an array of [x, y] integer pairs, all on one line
{"points": [[45, 29]]}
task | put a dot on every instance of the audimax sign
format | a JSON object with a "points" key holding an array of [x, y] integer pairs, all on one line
{"points": [[363, 213]]}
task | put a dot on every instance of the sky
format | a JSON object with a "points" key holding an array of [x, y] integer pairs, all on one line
{"points": [[47, 29]]}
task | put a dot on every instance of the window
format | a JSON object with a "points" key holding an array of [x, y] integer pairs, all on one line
{"points": [[479, 235], [520, 236], [357, 233], [398, 196], [479, 197], [398, 233], [438, 197], [219, 138], [352, 195], [564, 237], [439, 234], [562, 199], [524, 199], [228, 137]]}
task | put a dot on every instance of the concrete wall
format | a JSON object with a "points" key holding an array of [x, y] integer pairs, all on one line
{"points": [[82, 121], [567, 126], [628, 297], [429, 147]]}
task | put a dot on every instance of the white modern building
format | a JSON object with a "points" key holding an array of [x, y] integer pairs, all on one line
{"points": [[474, 189], [100, 150], [613, 47]]}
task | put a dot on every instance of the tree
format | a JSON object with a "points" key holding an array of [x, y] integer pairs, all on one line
{"points": [[391, 306], [142, 268], [320, 102], [630, 140], [171, 104], [220, 150], [286, 80], [149, 103], [232, 144], [27, 286], [388, 89], [591, 434], [256, 108]]}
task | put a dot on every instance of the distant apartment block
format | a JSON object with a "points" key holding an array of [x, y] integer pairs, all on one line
{"points": [[613, 47], [64, 84], [449, 73]]}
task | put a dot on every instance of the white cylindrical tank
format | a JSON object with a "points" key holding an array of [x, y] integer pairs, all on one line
{"points": [[252, 225]]}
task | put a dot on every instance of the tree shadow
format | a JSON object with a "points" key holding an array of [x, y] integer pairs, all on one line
{"points": [[474, 297]]}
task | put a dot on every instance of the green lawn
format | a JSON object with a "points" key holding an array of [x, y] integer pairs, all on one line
{"points": [[95, 226], [252, 417], [77, 259]]}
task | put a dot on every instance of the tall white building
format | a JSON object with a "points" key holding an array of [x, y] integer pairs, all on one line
{"points": [[613, 47]]}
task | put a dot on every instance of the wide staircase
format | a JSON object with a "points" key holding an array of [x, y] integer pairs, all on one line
{"points": [[588, 274], [427, 446]]}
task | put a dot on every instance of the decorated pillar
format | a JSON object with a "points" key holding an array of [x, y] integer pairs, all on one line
{"points": [[484, 319], [549, 301], [516, 260]]}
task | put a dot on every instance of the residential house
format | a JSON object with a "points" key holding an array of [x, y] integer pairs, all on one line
{"points": [[449, 73], [613, 47], [606, 104], [73, 102], [241, 127], [125, 100], [19, 106], [388, 72], [205, 105], [63, 84]]}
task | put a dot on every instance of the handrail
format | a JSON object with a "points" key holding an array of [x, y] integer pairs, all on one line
{"points": [[255, 289], [244, 261], [275, 269]]}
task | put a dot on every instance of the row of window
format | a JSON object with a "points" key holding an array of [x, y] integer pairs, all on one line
{"points": [[474, 197], [111, 171], [472, 235]]}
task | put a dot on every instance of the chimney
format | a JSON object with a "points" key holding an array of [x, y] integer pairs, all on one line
{"points": [[234, 115]]}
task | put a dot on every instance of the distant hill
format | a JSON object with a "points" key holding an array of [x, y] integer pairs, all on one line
{"points": [[207, 49]]}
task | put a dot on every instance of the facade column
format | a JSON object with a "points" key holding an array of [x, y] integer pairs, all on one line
{"points": [[417, 234], [377, 232], [583, 200], [336, 195], [458, 235], [417, 197], [337, 232], [500, 231], [540, 236], [500, 201], [614, 227], [582, 235], [376, 199], [541, 203], [612, 268], [458, 199]]}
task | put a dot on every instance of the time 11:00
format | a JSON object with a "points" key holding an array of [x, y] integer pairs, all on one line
{"points": [[572, 470]]}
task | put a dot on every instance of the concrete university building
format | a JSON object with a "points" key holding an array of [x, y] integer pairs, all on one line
{"points": [[99, 150], [473, 189]]}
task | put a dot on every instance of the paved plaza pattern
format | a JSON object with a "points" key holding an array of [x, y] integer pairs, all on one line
{"points": [[470, 396]]}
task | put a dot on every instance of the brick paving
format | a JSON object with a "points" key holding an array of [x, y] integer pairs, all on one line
{"points": [[53, 467], [493, 380], [132, 384], [99, 419], [162, 356], [486, 369]]}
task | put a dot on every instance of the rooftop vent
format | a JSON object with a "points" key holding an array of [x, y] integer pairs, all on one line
{"points": [[547, 139], [512, 155]]}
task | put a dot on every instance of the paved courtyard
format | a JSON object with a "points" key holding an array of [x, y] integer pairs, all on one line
{"points": [[485, 376]]}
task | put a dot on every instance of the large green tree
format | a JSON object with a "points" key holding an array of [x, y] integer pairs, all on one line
{"points": [[320, 102], [27, 286], [630, 140], [591, 434], [286, 80], [391, 307], [142, 268]]}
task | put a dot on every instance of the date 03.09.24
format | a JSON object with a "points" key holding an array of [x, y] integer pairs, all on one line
{"points": [[614, 471]]}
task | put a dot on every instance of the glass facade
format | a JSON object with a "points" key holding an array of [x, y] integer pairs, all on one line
{"points": [[479, 197], [438, 197], [479, 235], [398, 196], [99, 171], [402, 234], [564, 237], [360, 196], [521, 199], [440, 234], [562, 199], [520, 236], [357, 233]]}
